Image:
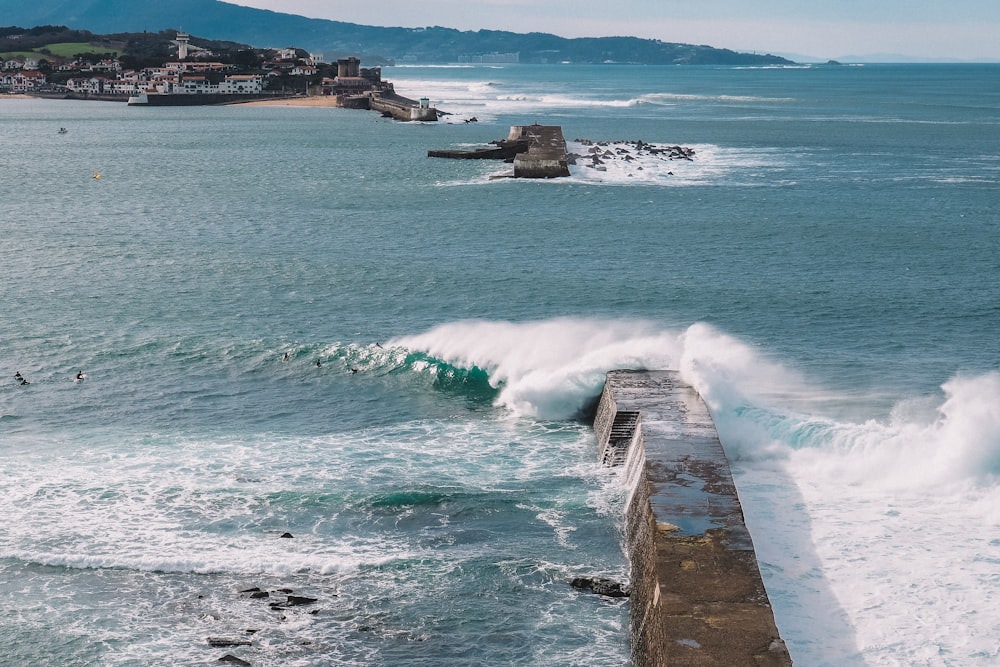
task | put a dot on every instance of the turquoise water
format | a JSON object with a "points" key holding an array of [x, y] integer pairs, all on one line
{"points": [[824, 271]]}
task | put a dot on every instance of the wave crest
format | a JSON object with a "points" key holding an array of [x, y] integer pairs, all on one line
{"points": [[923, 442], [554, 369], [547, 369]]}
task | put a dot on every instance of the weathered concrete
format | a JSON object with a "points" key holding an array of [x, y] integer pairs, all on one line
{"points": [[402, 108], [503, 150], [537, 151], [546, 157], [697, 594]]}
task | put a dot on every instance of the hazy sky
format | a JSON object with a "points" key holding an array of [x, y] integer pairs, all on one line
{"points": [[932, 29]]}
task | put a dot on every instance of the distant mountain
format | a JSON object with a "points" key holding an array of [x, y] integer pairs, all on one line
{"points": [[262, 28]]}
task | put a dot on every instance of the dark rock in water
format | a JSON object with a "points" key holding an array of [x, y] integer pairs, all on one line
{"points": [[293, 601], [255, 589], [601, 586], [259, 595], [287, 535], [233, 660], [298, 600], [227, 641]]}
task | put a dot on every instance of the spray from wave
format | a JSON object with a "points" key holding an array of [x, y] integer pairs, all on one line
{"points": [[923, 443], [764, 410], [553, 369], [547, 369]]}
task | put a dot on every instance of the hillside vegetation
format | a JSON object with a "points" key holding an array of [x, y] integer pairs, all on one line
{"points": [[71, 49], [268, 29]]}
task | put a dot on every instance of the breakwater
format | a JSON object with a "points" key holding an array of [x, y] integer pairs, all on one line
{"points": [[401, 108], [697, 594], [537, 151]]}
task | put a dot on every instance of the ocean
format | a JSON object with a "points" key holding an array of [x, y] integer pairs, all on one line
{"points": [[320, 364]]}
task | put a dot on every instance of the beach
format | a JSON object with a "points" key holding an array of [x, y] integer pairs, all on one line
{"points": [[311, 101]]}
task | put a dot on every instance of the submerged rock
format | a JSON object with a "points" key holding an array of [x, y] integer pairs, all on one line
{"points": [[298, 600]]}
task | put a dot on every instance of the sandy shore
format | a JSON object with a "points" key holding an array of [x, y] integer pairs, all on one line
{"points": [[15, 96], [314, 101]]}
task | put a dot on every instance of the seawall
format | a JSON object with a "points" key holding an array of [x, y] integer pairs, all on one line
{"points": [[697, 593], [401, 108]]}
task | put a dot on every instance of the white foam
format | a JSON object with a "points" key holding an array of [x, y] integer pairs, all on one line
{"points": [[488, 98], [546, 368], [622, 164]]}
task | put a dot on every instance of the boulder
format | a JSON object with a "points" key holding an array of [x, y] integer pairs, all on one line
{"points": [[601, 586]]}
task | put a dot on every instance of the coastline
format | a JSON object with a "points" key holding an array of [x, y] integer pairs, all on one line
{"points": [[312, 101]]}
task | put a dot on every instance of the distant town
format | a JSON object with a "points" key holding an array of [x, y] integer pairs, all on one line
{"points": [[128, 68], [104, 68]]}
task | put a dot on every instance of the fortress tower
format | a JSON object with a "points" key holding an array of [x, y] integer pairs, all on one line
{"points": [[182, 45], [349, 67]]}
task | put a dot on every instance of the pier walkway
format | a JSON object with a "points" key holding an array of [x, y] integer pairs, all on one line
{"points": [[697, 594], [546, 155]]}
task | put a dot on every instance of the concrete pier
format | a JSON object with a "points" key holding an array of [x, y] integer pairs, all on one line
{"points": [[546, 155], [537, 151], [697, 594]]}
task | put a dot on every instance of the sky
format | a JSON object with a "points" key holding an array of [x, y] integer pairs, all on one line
{"points": [[932, 30]]}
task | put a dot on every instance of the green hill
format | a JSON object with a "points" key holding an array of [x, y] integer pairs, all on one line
{"points": [[261, 28]]}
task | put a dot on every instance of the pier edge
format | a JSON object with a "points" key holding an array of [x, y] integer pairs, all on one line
{"points": [[697, 594]]}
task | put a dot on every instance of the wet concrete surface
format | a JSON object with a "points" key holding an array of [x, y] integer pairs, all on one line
{"points": [[698, 594]]}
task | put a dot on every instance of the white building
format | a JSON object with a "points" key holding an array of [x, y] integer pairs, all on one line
{"points": [[234, 84], [21, 81]]}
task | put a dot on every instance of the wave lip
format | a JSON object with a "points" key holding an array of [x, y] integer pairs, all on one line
{"points": [[549, 368]]}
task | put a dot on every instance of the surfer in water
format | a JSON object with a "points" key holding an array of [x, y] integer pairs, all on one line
{"points": [[80, 377], [319, 363], [20, 379], [286, 357]]}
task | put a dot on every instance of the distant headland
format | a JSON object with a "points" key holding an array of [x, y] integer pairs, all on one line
{"points": [[375, 45]]}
